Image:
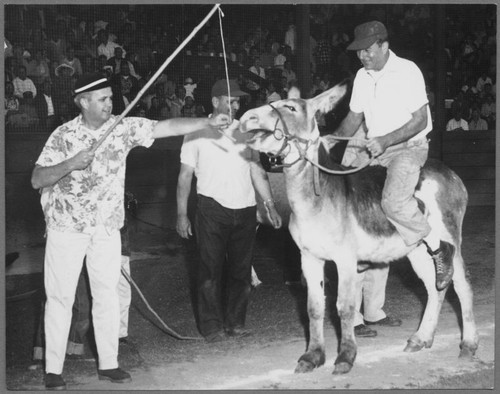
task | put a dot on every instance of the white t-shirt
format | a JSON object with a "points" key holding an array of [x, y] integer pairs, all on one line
{"points": [[389, 97], [221, 166]]}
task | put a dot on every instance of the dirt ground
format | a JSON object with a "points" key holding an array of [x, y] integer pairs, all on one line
{"points": [[162, 265]]}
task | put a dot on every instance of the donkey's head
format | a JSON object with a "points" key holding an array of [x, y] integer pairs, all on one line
{"points": [[278, 124]]}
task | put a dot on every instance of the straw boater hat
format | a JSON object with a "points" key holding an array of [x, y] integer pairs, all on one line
{"points": [[91, 82], [64, 65]]}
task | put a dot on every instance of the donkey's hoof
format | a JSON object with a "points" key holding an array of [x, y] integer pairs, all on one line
{"points": [[342, 368], [304, 366], [414, 346], [467, 352]]}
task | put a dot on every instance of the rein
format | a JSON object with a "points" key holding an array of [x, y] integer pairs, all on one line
{"points": [[287, 138]]}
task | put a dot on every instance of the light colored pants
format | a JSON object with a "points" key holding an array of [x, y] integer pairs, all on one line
{"points": [[64, 255], [371, 294], [125, 294], [403, 162]]}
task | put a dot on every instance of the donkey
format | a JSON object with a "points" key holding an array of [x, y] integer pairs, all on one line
{"points": [[338, 218]]}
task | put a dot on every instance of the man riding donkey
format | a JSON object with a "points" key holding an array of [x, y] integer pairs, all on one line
{"points": [[389, 96]]}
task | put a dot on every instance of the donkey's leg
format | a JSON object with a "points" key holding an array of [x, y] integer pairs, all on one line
{"points": [[312, 268], [349, 283], [423, 265], [463, 289]]}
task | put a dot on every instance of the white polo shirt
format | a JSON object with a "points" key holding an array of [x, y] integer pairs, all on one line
{"points": [[221, 167], [388, 97]]}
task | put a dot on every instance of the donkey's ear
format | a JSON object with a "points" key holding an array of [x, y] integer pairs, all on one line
{"points": [[329, 99], [294, 93]]}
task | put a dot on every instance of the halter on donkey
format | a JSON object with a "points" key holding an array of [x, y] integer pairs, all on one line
{"points": [[338, 218]]}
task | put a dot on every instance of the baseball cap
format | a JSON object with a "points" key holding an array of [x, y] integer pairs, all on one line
{"points": [[91, 82], [220, 89], [366, 34]]}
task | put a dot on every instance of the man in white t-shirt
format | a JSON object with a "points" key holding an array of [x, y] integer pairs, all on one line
{"points": [[389, 96], [228, 176], [457, 123]]}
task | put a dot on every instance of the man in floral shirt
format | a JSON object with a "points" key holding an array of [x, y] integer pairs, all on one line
{"points": [[82, 191]]}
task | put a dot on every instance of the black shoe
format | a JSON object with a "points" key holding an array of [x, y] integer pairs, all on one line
{"points": [[115, 375], [387, 321], [237, 332], [54, 382], [443, 261], [217, 336], [364, 332]]}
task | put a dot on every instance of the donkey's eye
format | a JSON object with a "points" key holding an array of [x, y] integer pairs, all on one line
{"points": [[292, 109]]}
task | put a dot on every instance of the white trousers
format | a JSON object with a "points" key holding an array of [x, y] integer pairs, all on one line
{"points": [[125, 294], [64, 255], [371, 294]]}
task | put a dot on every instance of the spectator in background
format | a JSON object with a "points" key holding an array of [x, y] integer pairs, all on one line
{"points": [[258, 70], [477, 123], [482, 80], [22, 83], [154, 112], [279, 59], [189, 108], [488, 111], [291, 38], [11, 103], [73, 61], [62, 90], [106, 46], [176, 102], [457, 123], [272, 94], [19, 56], [27, 107], [38, 68], [118, 59], [288, 73], [45, 107], [125, 88]]}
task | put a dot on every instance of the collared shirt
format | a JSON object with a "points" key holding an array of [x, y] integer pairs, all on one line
{"points": [[389, 97], [21, 86], [454, 124], [82, 199], [481, 124], [222, 167]]}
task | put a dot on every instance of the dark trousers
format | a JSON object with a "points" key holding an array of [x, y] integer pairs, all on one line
{"points": [[225, 239]]}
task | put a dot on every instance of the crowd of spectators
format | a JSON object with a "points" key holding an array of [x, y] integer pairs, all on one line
{"points": [[58, 44]]}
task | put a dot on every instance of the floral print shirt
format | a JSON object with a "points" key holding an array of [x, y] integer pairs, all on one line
{"points": [[83, 199]]}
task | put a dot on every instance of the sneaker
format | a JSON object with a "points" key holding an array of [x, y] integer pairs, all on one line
{"points": [[116, 375], [364, 332], [387, 321], [443, 260], [237, 332], [54, 382]]}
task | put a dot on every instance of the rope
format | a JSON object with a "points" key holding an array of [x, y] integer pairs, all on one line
{"points": [[169, 330], [154, 77], [221, 15]]}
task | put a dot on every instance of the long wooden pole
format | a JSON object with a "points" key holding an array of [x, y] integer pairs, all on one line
{"points": [[154, 77]]}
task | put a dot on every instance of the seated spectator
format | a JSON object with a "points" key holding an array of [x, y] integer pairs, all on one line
{"points": [[176, 102], [488, 111], [106, 46], [117, 60], [316, 85], [457, 123], [482, 80], [125, 87], [26, 117], [477, 123], [62, 89], [189, 108], [261, 97], [23, 84], [272, 94], [38, 69], [11, 102], [190, 86], [280, 59], [73, 61], [45, 107], [154, 112], [257, 69], [288, 73]]}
